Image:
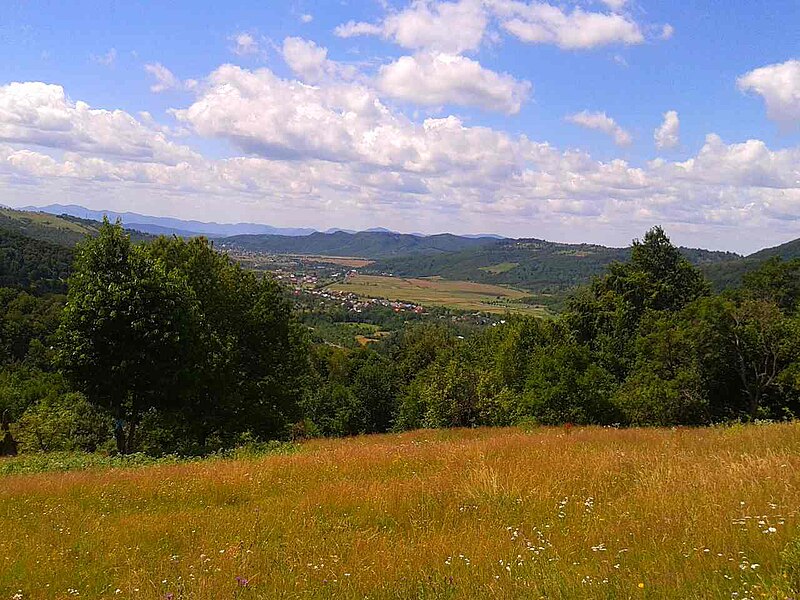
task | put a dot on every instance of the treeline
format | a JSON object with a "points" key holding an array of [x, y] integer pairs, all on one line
{"points": [[547, 269], [646, 344], [169, 347], [35, 265]]}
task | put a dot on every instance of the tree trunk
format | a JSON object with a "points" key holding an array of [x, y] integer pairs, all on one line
{"points": [[119, 436], [755, 402], [131, 441], [8, 445]]}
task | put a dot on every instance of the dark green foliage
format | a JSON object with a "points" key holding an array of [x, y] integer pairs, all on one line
{"points": [[27, 324], [22, 386], [127, 328], [606, 315], [565, 385], [775, 281], [177, 338], [351, 393], [179, 350], [63, 421], [667, 383], [367, 244], [32, 264], [248, 353]]}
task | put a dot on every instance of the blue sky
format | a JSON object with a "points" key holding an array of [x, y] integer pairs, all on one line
{"points": [[519, 117]]}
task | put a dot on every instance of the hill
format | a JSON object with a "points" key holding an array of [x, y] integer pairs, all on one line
{"points": [[33, 264], [536, 265], [169, 225], [729, 273], [459, 514], [60, 230], [531, 264], [364, 244], [539, 266], [37, 248]]}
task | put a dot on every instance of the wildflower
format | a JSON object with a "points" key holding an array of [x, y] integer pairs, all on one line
{"points": [[17, 596], [641, 585], [242, 581], [169, 596]]}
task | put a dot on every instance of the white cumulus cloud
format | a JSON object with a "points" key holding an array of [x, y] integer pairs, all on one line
{"points": [[543, 23], [600, 121], [615, 4], [40, 114], [310, 62], [667, 135], [165, 80], [245, 44], [435, 79], [779, 85], [452, 27], [334, 154]]}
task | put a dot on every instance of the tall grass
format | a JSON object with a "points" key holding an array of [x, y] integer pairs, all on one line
{"points": [[551, 513]]}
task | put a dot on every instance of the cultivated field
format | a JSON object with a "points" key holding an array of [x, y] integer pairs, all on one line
{"points": [[344, 261], [434, 291], [559, 513]]}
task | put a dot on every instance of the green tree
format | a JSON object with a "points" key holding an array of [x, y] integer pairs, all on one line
{"points": [[63, 421], [776, 281], [565, 385], [126, 330], [249, 357], [667, 383], [765, 342], [606, 315]]}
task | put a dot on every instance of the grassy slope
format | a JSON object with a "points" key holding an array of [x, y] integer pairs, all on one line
{"points": [[63, 231], [582, 513]]}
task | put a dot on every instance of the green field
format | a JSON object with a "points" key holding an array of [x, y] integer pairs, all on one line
{"points": [[434, 291], [456, 514], [500, 268]]}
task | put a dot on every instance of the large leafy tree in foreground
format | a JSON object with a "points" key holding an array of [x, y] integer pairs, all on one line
{"points": [[126, 330], [175, 336], [249, 356]]}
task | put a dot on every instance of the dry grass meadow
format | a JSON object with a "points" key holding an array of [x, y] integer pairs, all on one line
{"points": [[489, 513], [434, 291]]}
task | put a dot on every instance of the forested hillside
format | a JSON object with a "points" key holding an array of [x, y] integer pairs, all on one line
{"points": [[61, 230], [364, 244], [33, 264], [535, 265], [730, 273]]}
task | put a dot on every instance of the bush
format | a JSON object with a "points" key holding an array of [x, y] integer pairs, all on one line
{"points": [[647, 399], [62, 422]]}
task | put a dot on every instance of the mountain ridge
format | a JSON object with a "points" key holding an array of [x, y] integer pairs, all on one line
{"points": [[533, 264]]}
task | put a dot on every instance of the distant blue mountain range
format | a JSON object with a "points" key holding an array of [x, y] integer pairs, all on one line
{"points": [[170, 225], [181, 227]]}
